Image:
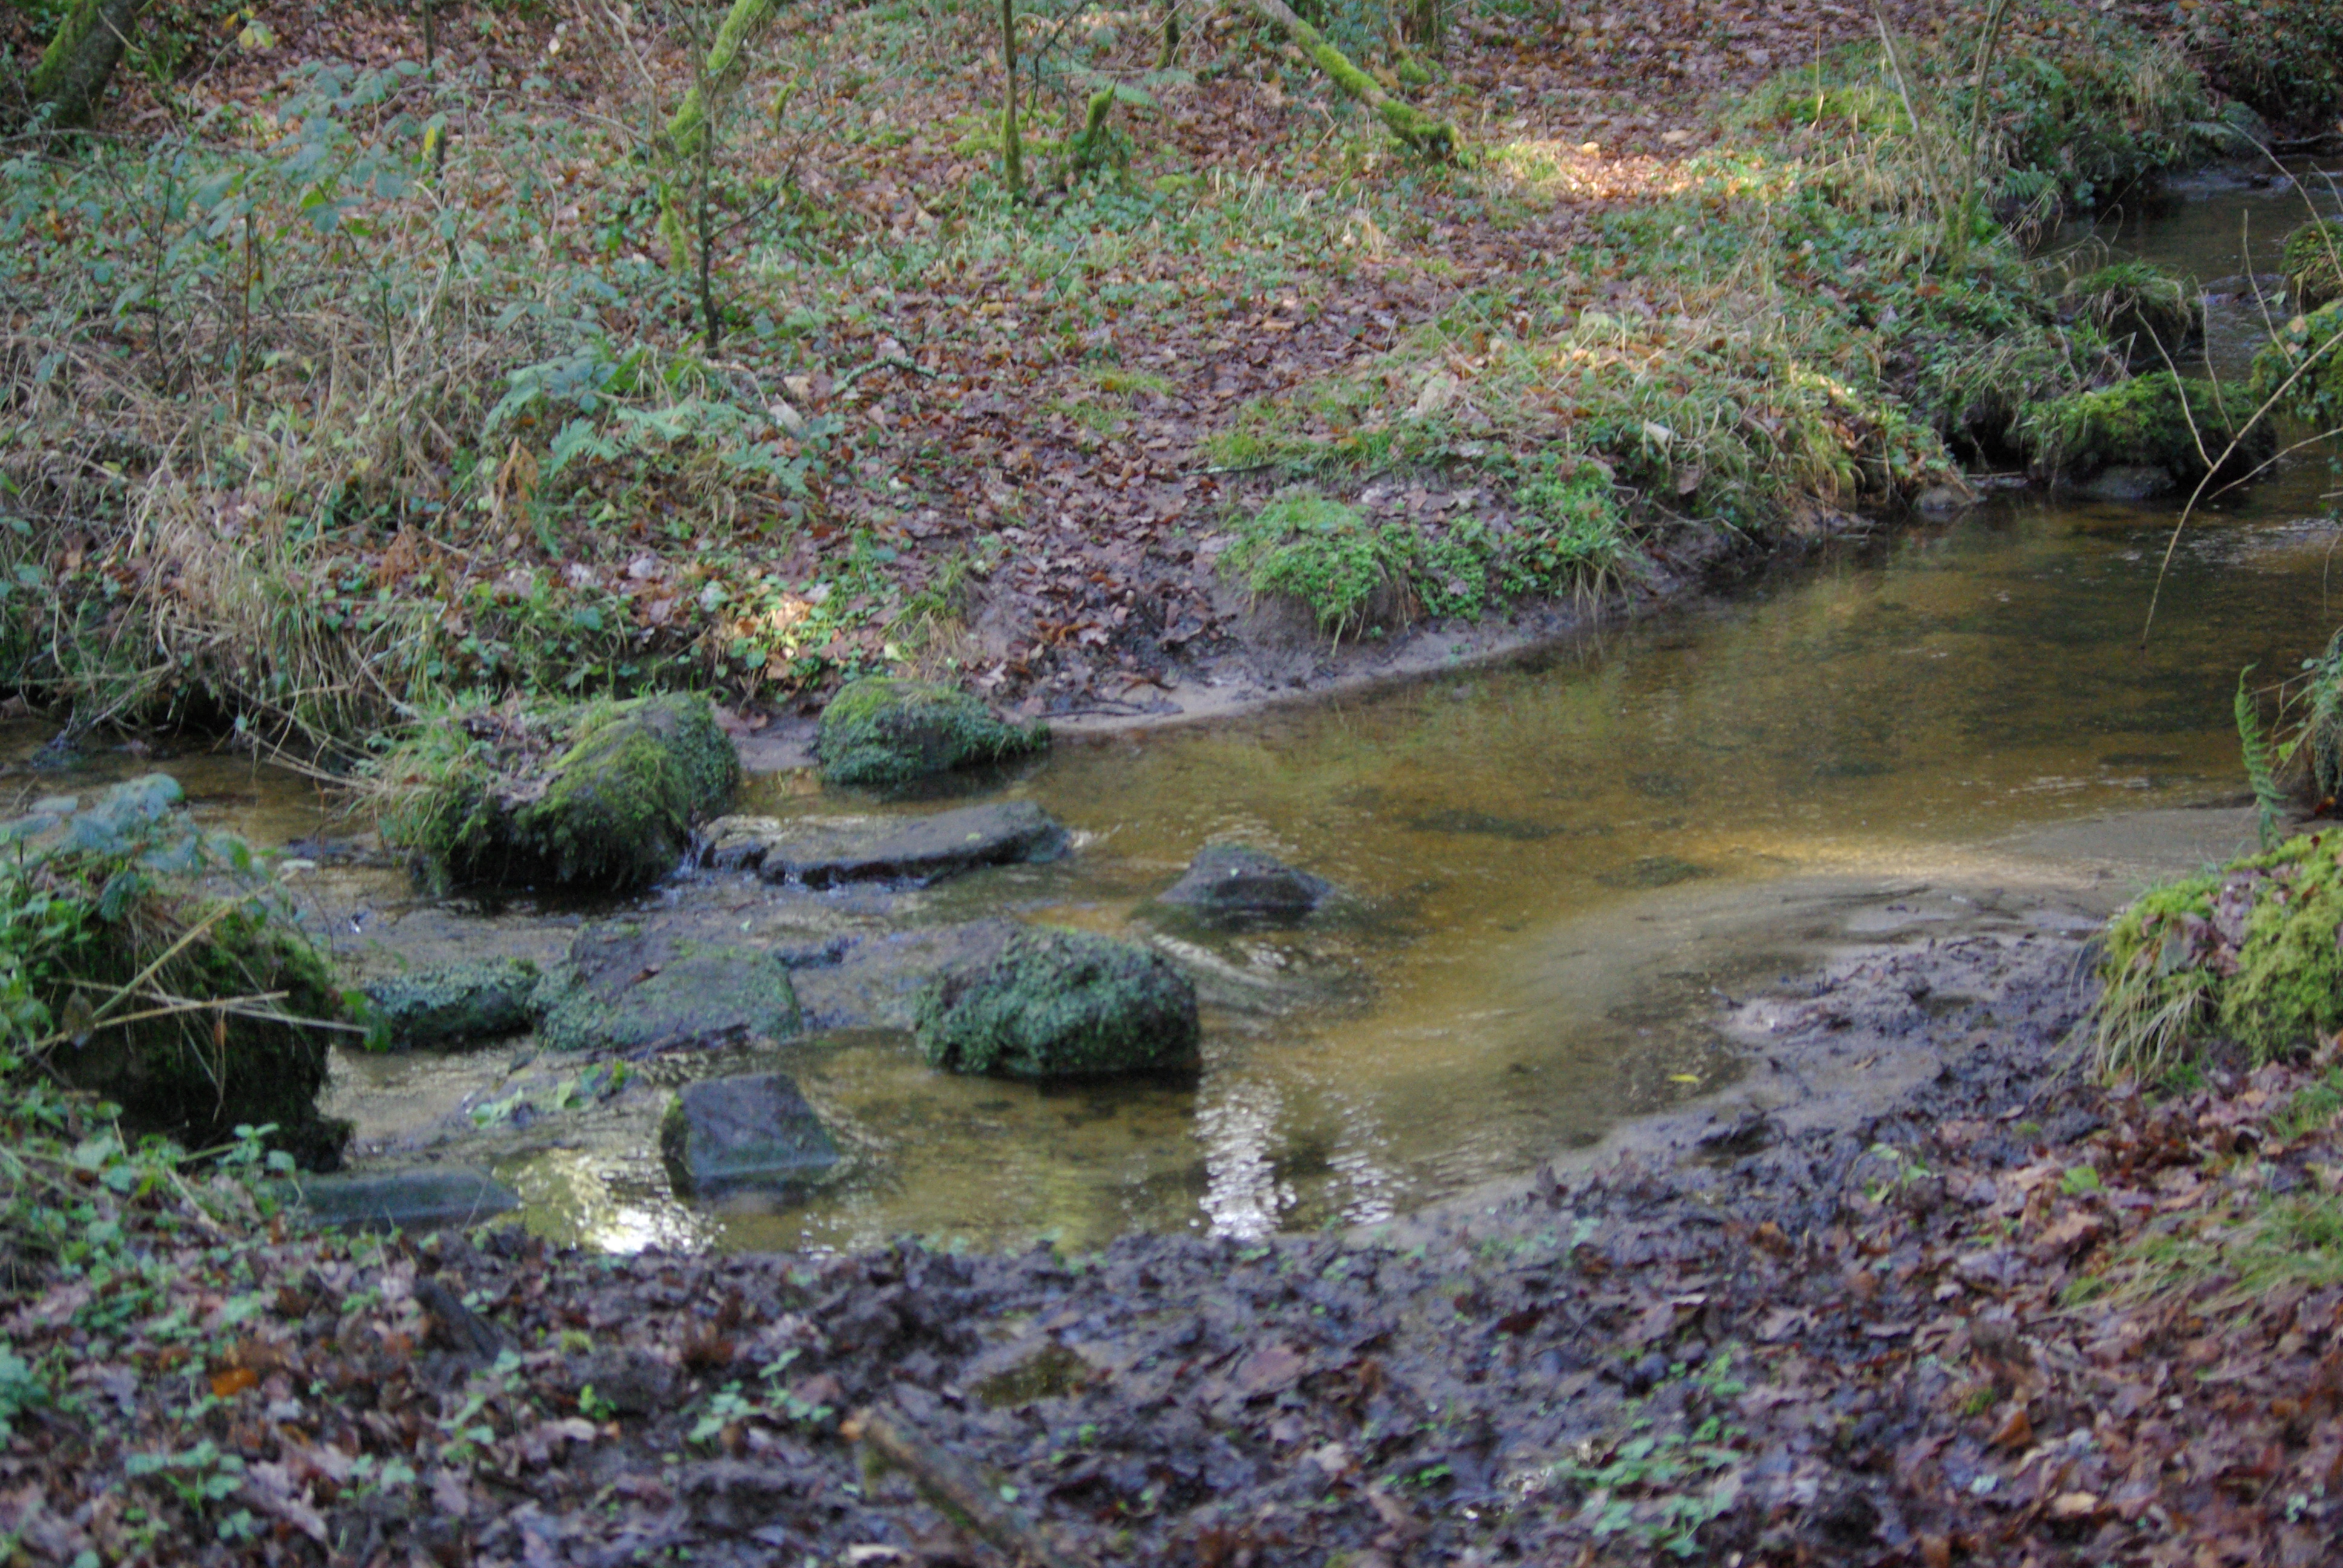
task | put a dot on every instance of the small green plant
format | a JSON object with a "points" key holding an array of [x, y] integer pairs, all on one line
{"points": [[1658, 1489], [1309, 547]]}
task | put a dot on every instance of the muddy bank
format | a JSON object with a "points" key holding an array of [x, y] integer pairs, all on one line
{"points": [[1809, 1338]]}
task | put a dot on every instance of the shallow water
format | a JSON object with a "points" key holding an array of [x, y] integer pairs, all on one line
{"points": [[1554, 865]]}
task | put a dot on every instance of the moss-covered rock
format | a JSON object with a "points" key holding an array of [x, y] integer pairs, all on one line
{"points": [[884, 731], [195, 1014], [2301, 368], [2182, 425], [1060, 1004], [452, 1004], [2252, 954], [599, 798], [2139, 304], [627, 990], [2310, 262]]}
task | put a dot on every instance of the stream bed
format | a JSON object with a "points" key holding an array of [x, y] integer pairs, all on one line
{"points": [[1555, 869]]}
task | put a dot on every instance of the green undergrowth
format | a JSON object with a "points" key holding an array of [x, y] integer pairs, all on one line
{"points": [[2312, 261], [2186, 426], [1811, 320], [2299, 372]]}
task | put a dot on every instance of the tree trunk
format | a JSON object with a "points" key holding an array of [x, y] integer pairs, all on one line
{"points": [[73, 69], [723, 68], [1012, 147], [1434, 138]]}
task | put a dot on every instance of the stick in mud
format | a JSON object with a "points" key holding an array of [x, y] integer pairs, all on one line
{"points": [[952, 1485]]}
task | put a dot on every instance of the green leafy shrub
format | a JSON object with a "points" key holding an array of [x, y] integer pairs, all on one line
{"points": [[2313, 263]]}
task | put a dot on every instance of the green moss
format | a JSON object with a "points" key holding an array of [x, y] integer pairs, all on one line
{"points": [[195, 1014], [2135, 300], [2180, 425], [453, 1003], [601, 797], [2252, 953], [2312, 263], [882, 731], [2300, 370], [1060, 1004]]}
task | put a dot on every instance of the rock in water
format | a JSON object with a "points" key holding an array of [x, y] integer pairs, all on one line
{"points": [[452, 1004], [420, 1200], [627, 990], [1230, 885], [882, 731], [727, 1133], [612, 811], [1060, 1004], [824, 852]]}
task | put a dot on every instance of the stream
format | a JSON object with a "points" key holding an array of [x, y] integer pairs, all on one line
{"points": [[1555, 867]]}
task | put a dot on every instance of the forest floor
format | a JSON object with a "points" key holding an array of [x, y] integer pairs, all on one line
{"points": [[1013, 442], [2014, 1317]]}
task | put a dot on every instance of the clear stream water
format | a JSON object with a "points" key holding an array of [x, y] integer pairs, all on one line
{"points": [[1557, 865]]}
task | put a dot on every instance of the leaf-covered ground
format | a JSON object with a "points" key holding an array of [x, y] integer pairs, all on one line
{"points": [[2017, 1320], [1000, 439]]}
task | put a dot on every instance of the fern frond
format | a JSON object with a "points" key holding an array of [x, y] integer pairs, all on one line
{"points": [[2261, 763]]}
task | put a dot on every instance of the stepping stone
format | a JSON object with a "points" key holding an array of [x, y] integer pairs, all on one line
{"points": [[427, 1198], [723, 1134], [828, 851]]}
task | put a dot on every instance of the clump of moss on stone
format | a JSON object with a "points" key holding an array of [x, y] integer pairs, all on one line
{"points": [[2312, 263], [2247, 954], [195, 1014], [2300, 370], [599, 798], [880, 731], [1060, 1004], [452, 1004], [2138, 301], [2180, 425]]}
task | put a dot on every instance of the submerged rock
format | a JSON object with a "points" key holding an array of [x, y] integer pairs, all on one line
{"points": [[610, 810], [1060, 1004], [452, 1004], [882, 731], [2130, 482], [1231, 885], [425, 1199], [2181, 426], [727, 1133], [629, 990], [823, 852]]}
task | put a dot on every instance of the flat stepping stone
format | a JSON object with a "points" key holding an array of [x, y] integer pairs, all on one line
{"points": [[829, 851], [725, 1134], [429, 1198]]}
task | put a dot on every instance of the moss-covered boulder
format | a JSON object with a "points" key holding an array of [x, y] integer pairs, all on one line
{"points": [[196, 1012], [2181, 426], [2310, 262], [2251, 954], [1059, 1004], [882, 731], [452, 1004], [594, 798], [629, 989], [2301, 368], [2139, 306]]}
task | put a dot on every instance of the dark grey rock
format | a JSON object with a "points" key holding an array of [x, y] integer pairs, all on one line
{"points": [[1230, 885], [427, 1198], [824, 852], [723, 1134], [629, 989], [2130, 482]]}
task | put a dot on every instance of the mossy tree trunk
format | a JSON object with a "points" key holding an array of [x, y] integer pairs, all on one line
{"points": [[1012, 147], [74, 70], [722, 68], [1422, 134]]}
